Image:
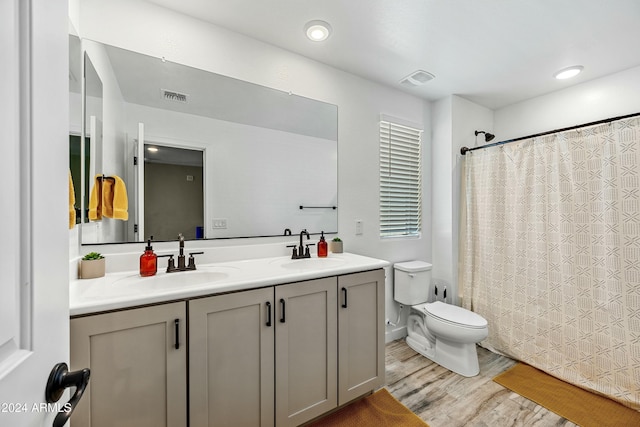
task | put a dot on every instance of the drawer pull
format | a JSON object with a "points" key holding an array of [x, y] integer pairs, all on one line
{"points": [[177, 325], [268, 313]]}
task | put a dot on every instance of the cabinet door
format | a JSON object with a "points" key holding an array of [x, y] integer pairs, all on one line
{"points": [[138, 376], [360, 334], [231, 368], [306, 350]]}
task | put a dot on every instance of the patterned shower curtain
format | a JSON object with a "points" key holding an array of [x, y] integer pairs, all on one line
{"points": [[550, 253]]}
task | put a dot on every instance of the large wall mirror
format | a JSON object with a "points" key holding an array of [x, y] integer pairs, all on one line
{"points": [[205, 155]]}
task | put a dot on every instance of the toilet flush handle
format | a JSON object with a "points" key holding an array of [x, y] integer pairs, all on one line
{"points": [[412, 275]]}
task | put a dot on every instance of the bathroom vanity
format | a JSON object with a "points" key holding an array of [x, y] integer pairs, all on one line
{"points": [[261, 342]]}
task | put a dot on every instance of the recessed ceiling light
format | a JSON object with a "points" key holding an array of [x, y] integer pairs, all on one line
{"points": [[317, 31], [567, 73], [152, 149]]}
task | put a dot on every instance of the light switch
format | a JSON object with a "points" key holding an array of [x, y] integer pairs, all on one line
{"points": [[358, 227]]}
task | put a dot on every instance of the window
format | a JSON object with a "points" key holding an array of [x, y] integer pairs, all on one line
{"points": [[400, 180]]}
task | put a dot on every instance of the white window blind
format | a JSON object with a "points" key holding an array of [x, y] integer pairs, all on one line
{"points": [[400, 180]]}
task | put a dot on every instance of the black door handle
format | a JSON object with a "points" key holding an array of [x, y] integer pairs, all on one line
{"points": [[177, 325], [282, 317], [344, 294], [59, 379], [268, 313]]}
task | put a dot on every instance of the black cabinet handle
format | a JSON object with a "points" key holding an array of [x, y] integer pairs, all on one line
{"points": [[344, 294], [282, 316], [268, 313], [59, 379], [177, 325]]}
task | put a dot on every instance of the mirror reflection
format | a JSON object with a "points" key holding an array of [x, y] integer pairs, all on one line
{"points": [[173, 192], [263, 153]]}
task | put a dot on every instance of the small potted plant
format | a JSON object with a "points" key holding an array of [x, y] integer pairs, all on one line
{"points": [[335, 245], [92, 265]]}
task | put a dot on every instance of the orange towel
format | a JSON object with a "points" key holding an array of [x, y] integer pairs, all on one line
{"points": [[114, 198], [108, 198], [72, 203]]}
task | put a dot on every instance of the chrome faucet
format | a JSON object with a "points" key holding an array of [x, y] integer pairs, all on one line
{"points": [[301, 251], [182, 266]]}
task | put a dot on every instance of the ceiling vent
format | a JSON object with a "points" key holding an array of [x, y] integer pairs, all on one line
{"points": [[417, 78], [171, 95]]}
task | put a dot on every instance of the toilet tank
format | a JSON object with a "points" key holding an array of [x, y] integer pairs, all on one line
{"points": [[411, 282]]}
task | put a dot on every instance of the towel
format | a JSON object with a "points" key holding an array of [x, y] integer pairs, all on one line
{"points": [[72, 203], [114, 198], [108, 198], [95, 200]]}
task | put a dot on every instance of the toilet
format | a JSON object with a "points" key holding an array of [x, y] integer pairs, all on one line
{"points": [[444, 333]]}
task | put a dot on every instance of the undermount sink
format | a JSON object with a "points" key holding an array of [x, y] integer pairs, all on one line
{"points": [[172, 280], [312, 263]]}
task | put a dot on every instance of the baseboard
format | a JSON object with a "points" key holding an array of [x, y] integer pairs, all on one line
{"points": [[394, 334]]}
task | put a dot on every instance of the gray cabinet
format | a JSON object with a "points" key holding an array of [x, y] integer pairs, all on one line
{"points": [[231, 359], [360, 334], [280, 355], [138, 376]]}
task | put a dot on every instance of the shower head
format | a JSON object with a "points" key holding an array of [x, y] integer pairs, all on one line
{"points": [[487, 136]]}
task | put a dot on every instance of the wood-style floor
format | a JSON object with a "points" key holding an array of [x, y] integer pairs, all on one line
{"points": [[445, 399]]}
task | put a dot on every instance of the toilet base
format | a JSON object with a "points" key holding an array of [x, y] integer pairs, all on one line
{"points": [[454, 356]]}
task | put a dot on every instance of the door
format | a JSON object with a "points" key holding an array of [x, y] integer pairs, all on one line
{"points": [[34, 301], [140, 185], [360, 334], [138, 362], [231, 372], [306, 350]]}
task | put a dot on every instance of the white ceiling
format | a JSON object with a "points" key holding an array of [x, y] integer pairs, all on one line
{"points": [[492, 52]]}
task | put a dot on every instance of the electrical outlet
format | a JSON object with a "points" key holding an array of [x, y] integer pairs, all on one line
{"points": [[219, 223], [358, 227]]}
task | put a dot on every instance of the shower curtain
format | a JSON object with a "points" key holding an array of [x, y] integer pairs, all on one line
{"points": [[550, 253]]}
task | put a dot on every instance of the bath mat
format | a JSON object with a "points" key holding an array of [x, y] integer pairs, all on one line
{"points": [[379, 409], [573, 403]]}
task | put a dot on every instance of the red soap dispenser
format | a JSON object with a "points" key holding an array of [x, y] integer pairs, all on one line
{"points": [[148, 261], [322, 247]]}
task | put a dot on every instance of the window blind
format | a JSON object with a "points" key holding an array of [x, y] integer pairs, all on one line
{"points": [[400, 180]]}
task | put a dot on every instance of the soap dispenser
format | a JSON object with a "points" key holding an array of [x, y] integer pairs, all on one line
{"points": [[322, 247], [148, 261]]}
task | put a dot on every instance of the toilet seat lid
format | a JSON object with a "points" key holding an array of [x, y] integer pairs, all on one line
{"points": [[454, 314]]}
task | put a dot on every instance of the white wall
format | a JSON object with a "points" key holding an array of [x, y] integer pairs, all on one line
{"points": [[442, 192], [454, 121], [611, 96], [156, 31]]}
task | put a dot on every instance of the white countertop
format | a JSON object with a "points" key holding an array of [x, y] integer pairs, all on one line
{"points": [[129, 289]]}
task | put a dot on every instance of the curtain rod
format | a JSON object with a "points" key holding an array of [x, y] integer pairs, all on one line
{"points": [[464, 150]]}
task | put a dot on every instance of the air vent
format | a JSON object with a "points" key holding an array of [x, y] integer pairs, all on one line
{"points": [[171, 95], [417, 78]]}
